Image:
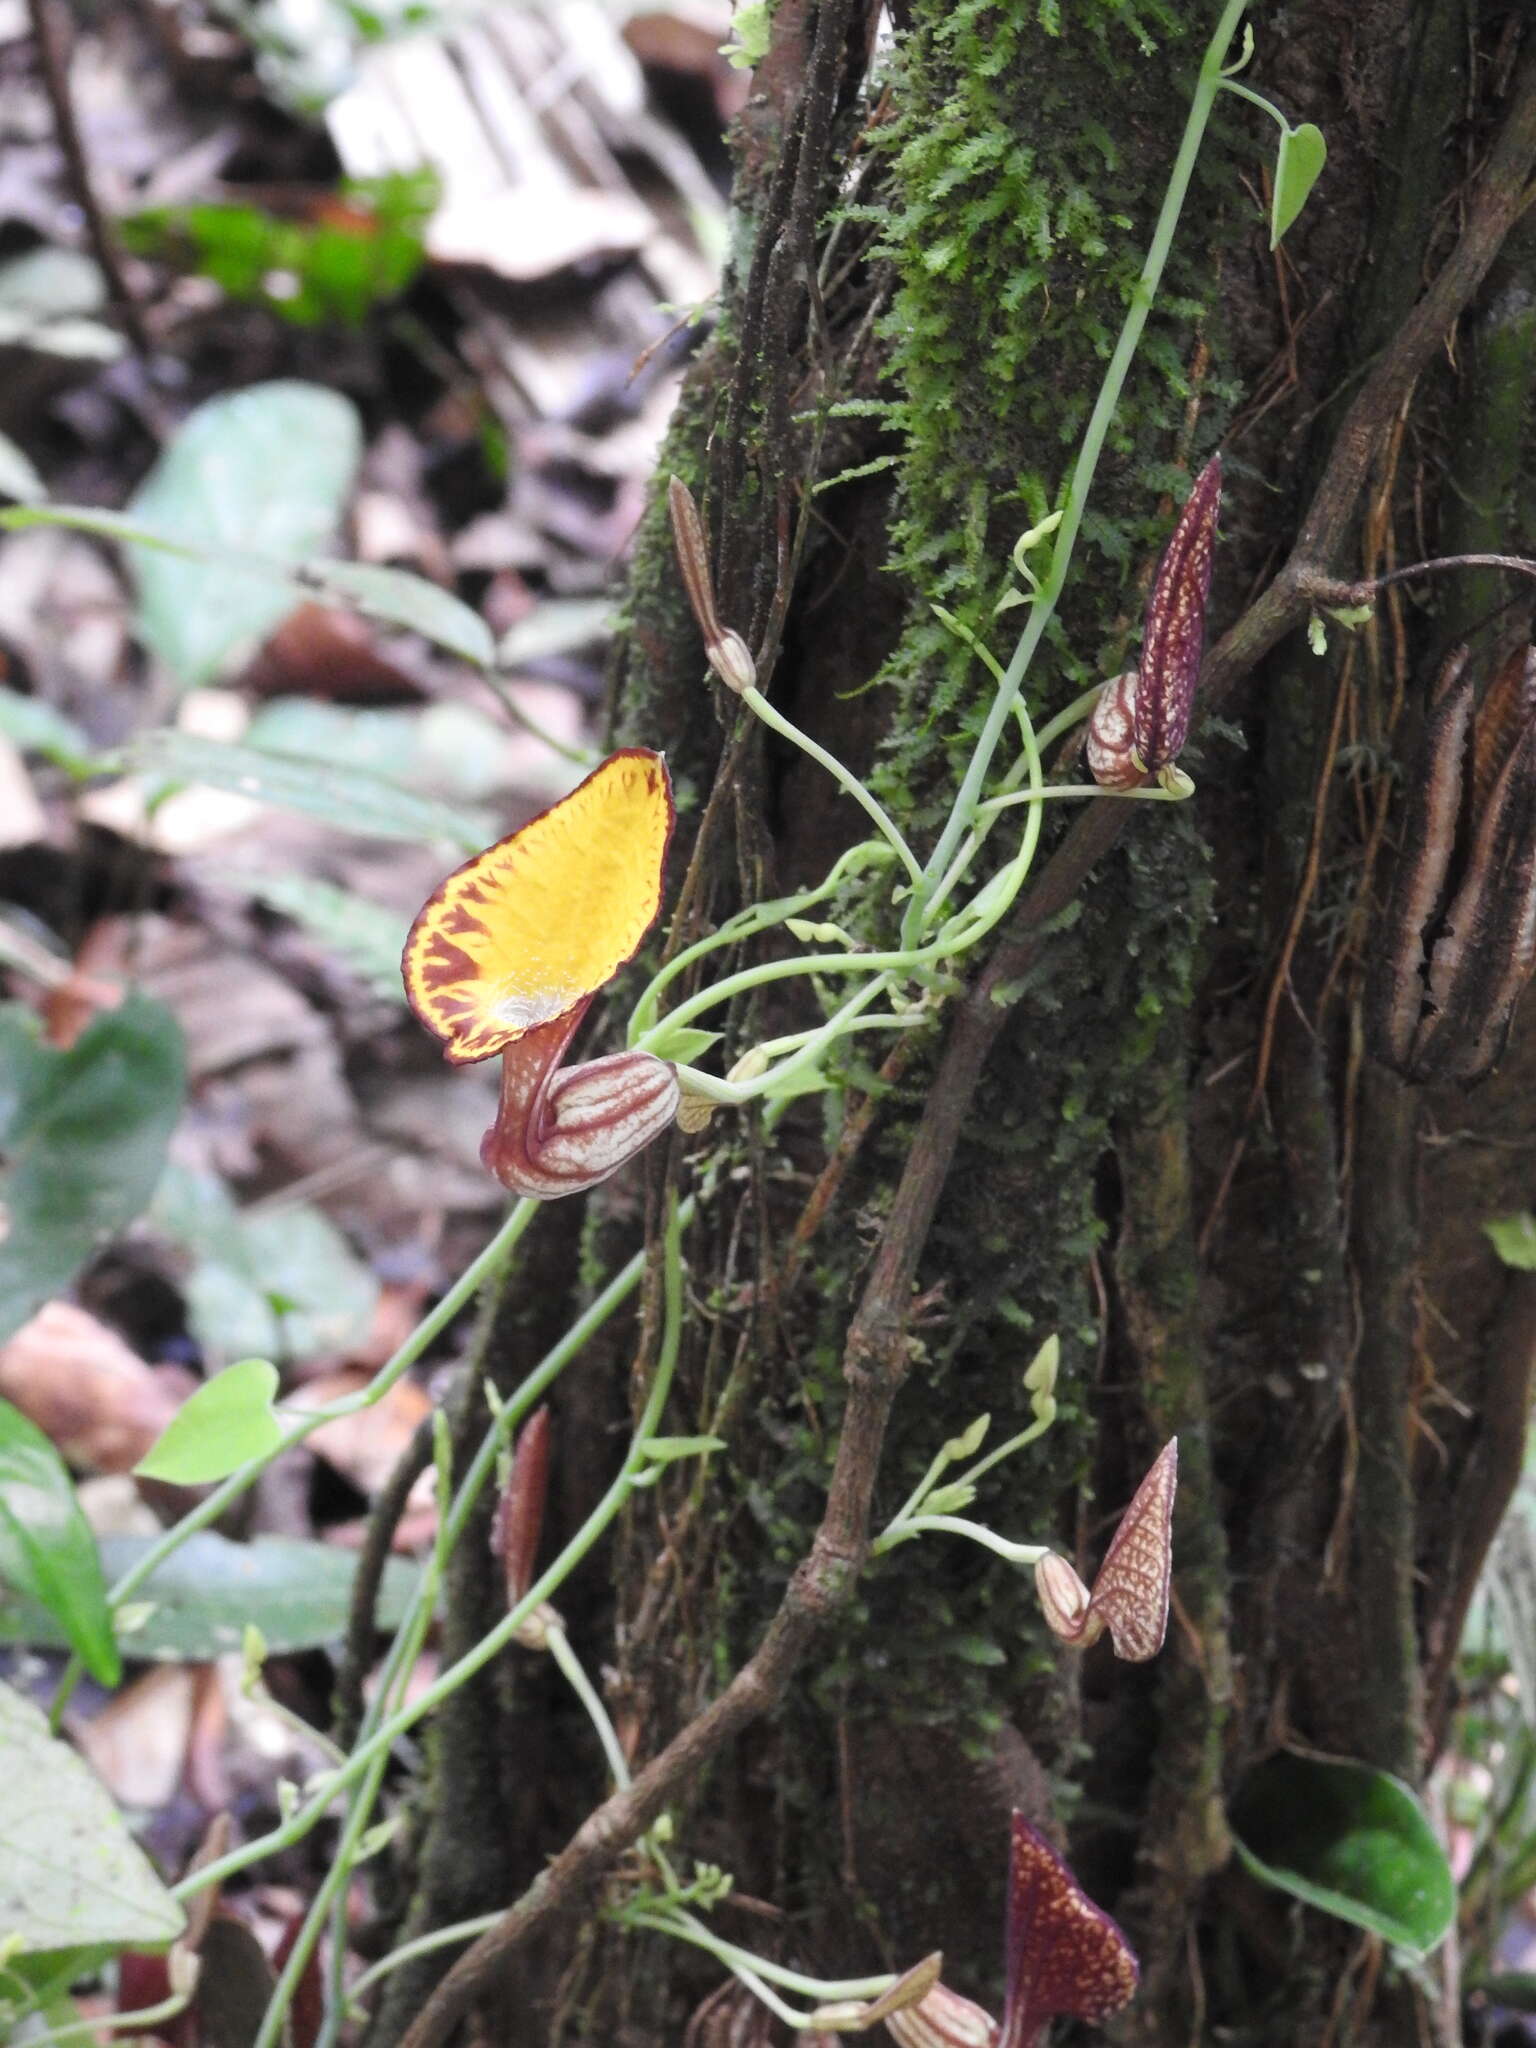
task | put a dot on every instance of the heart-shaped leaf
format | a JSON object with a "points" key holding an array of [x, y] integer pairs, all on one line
{"points": [[82, 1136], [1514, 1239], [71, 1875], [226, 1423], [1298, 166], [264, 471], [1350, 1840], [46, 1546]]}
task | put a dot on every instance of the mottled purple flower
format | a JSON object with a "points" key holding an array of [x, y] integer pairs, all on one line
{"points": [[1130, 1594], [1142, 720], [1065, 1956]]}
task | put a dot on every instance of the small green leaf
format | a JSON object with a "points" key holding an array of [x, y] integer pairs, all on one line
{"points": [[349, 798], [1514, 1239], [46, 1547], [666, 1450], [83, 1135], [394, 597], [1298, 166], [205, 1595], [71, 1876], [1317, 635], [1350, 1840], [264, 471], [225, 1424], [686, 1044]]}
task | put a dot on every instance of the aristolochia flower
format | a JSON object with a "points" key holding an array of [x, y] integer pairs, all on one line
{"points": [[1065, 1958], [508, 954], [1130, 1594], [1142, 719]]}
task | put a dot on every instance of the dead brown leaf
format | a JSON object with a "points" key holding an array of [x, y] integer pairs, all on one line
{"points": [[87, 1390]]}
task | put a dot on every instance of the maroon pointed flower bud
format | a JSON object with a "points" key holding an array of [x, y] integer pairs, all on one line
{"points": [[519, 1519], [727, 653], [1130, 1594], [306, 2015], [1173, 639], [1066, 1956]]}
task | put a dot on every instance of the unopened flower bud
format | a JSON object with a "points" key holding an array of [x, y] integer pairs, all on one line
{"points": [[731, 659], [520, 1511], [1173, 639], [1066, 1602], [754, 1061]]}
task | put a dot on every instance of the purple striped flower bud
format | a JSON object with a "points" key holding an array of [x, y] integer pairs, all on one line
{"points": [[1173, 639]]}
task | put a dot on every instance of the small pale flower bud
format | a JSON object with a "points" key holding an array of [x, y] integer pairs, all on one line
{"points": [[731, 659], [754, 1061], [1066, 1601]]}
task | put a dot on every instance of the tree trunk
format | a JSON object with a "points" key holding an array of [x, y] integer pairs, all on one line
{"points": [[1177, 1155]]}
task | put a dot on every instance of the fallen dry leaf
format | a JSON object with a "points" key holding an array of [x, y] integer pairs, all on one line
{"points": [[137, 1744], [87, 1390]]}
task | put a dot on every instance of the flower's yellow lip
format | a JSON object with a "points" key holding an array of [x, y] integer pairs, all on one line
{"points": [[535, 925]]}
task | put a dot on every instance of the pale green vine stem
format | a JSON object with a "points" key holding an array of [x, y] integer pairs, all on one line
{"points": [[756, 1970], [144, 2020], [746, 924], [845, 779], [332, 1889], [993, 901], [1151, 794], [984, 1465], [423, 1945], [570, 1666], [431, 1325], [401, 1655], [1076, 501], [957, 1525], [813, 1044], [299, 1823]]}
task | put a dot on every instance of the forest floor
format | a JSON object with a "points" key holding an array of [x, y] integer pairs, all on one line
{"points": [[302, 283]]}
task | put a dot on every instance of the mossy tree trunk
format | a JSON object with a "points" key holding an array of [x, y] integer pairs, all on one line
{"points": [[1178, 1157]]}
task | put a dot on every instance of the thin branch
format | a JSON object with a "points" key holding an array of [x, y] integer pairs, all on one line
{"points": [[875, 1357], [53, 62]]}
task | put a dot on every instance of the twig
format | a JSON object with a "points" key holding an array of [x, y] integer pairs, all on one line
{"points": [[875, 1356], [347, 1705], [53, 62]]}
